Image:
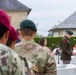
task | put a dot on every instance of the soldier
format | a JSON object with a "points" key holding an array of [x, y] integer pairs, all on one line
{"points": [[10, 62], [66, 47], [42, 63], [12, 38], [43, 43]]}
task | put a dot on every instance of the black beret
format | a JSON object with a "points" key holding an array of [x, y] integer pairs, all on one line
{"points": [[28, 24], [69, 32]]}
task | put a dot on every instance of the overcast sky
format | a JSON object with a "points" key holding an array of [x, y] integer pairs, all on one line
{"points": [[47, 13]]}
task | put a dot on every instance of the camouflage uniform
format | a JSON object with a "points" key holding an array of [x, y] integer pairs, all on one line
{"points": [[10, 63], [47, 49], [42, 63]]}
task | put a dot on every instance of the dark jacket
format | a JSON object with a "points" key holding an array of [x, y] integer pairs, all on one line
{"points": [[18, 40], [66, 49]]}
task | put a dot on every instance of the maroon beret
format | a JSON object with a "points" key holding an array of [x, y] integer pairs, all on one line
{"points": [[13, 34], [4, 19]]}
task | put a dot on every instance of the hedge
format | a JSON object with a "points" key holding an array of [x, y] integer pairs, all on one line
{"points": [[55, 40]]}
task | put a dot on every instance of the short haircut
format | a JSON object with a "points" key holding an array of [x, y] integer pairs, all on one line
{"points": [[3, 30], [27, 31], [42, 40], [9, 42]]}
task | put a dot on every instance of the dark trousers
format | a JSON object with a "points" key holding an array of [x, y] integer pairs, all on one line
{"points": [[66, 62]]}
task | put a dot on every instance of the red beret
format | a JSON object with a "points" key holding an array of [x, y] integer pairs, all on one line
{"points": [[13, 34], [4, 19]]}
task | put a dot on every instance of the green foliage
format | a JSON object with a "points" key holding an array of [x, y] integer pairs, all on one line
{"points": [[37, 39], [55, 40], [72, 41]]}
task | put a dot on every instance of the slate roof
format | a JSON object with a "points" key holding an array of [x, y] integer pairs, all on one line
{"points": [[69, 23], [13, 5]]}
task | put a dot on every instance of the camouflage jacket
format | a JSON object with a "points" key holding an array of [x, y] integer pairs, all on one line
{"points": [[10, 62], [40, 62]]}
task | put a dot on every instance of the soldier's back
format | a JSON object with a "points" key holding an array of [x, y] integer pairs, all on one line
{"points": [[10, 63], [41, 62]]}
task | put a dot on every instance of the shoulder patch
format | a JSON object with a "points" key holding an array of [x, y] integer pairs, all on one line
{"points": [[35, 68], [64, 40]]}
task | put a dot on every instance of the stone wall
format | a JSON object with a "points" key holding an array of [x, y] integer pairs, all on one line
{"points": [[16, 18]]}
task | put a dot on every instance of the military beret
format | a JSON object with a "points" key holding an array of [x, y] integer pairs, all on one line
{"points": [[13, 34], [28, 24], [69, 32], [4, 19]]}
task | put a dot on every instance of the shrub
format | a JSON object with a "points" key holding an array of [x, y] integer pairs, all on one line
{"points": [[55, 40]]}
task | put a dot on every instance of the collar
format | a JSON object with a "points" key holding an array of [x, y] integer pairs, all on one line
{"points": [[67, 37], [25, 40]]}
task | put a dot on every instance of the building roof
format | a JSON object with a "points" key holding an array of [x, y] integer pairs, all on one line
{"points": [[69, 23], [13, 5]]}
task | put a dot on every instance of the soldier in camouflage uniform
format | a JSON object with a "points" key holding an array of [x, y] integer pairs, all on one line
{"points": [[10, 62], [42, 63], [66, 47]]}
